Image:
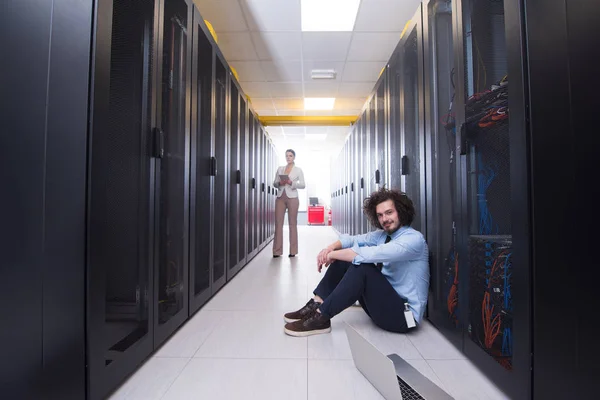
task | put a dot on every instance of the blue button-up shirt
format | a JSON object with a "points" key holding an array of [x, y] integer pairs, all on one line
{"points": [[405, 260]]}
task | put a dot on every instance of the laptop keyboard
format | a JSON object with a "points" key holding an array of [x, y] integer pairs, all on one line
{"points": [[408, 393]]}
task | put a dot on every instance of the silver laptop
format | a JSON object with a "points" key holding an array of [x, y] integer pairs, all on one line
{"points": [[393, 377]]}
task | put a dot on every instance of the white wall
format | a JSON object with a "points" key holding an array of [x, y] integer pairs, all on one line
{"points": [[316, 166]]}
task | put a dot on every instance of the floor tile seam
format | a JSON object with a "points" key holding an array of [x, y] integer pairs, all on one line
{"points": [[247, 358], [171, 357], [214, 327], [437, 376], [174, 380]]}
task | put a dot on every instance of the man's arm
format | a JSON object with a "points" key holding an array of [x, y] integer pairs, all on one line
{"points": [[322, 256]]}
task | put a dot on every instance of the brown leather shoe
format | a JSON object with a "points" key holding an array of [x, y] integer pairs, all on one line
{"points": [[313, 324], [311, 306]]}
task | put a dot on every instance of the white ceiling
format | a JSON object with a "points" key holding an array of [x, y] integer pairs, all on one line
{"points": [[263, 41]]}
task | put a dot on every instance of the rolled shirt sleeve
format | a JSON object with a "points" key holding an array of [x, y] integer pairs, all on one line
{"points": [[402, 248]]}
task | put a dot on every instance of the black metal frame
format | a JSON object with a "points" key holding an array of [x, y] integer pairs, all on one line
{"points": [[162, 332], [440, 320], [101, 378], [516, 383], [197, 301], [233, 265], [415, 24]]}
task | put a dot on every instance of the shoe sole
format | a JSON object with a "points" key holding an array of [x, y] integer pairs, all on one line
{"points": [[306, 333], [289, 320]]}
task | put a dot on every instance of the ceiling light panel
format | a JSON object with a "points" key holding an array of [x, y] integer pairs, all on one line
{"points": [[323, 74], [319, 103], [328, 15]]}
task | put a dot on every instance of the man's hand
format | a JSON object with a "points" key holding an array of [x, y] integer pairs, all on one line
{"points": [[323, 259]]}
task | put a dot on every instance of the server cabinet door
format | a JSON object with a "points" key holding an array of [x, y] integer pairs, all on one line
{"points": [[265, 187], [259, 182], [372, 135], [485, 231], [172, 177], [121, 192], [45, 117], [396, 121], [351, 188], [243, 191], [381, 123], [365, 181], [443, 206], [201, 174], [413, 136], [220, 176], [347, 211], [356, 168], [270, 174], [251, 186], [234, 180]]}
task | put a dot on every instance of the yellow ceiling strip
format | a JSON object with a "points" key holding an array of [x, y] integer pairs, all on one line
{"points": [[308, 120]]}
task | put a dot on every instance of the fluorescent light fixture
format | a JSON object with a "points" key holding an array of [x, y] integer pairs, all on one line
{"points": [[323, 74], [329, 15], [319, 103]]}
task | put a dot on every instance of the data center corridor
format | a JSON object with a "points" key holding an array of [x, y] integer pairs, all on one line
{"points": [[235, 347]]}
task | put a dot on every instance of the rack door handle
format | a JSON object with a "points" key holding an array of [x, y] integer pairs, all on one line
{"points": [[213, 166], [253, 183], [404, 165], [238, 176], [377, 176], [159, 143], [362, 183]]}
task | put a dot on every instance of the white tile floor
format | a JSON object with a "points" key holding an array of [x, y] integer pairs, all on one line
{"points": [[235, 348]]}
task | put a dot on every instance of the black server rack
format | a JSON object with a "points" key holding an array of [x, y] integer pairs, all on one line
{"points": [[135, 153], [43, 173], [235, 178], [443, 202], [482, 96], [122, 288], [257, 190], [364, 180], [352, 187], [243, 185], [381, 127], [172, 169], [251, 186], [201, 189], [561, 43], [356, 169], [485, 244], [412, 110], [219, 173], [373, 177], [394, 71]]}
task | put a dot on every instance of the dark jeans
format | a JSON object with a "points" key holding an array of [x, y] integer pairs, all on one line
{"points": [[344, 283]]}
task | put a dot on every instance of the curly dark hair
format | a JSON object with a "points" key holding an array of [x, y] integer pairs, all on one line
{"points": [[404, 206]]}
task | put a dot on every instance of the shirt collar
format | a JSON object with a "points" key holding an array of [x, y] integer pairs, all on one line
{"points": [[397, 233]]}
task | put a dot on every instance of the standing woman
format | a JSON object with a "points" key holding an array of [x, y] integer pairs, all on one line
{"points": [[287, 197]]}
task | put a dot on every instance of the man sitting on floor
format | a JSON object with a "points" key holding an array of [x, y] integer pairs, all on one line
{"points": [[386, 270]]}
